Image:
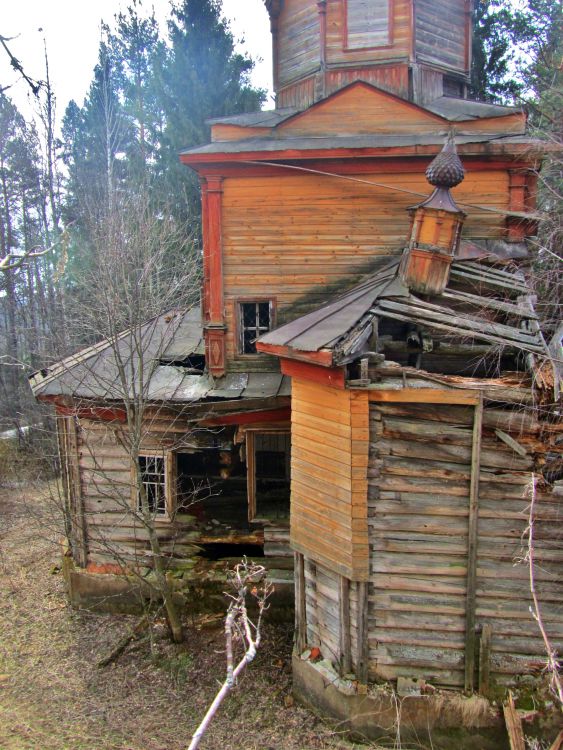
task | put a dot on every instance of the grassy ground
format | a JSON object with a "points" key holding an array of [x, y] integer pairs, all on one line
{"points": [[54, 697]]}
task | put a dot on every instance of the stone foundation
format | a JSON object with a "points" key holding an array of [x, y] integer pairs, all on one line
{"points": [[443, 720], [196, 592]]}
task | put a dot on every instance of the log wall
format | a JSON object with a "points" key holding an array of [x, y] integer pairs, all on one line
{"points": [[440, 37], [298, 41], [104, 481], [295, 235], [419, 475], [421, 459]]}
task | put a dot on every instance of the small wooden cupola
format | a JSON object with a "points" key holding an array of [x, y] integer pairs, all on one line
{"points": [[436, 227]]}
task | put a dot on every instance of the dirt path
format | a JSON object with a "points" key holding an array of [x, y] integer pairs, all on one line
{"points": [[53, 697]]}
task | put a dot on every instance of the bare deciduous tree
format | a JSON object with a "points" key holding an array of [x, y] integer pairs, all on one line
{"points": [[141, 275]]}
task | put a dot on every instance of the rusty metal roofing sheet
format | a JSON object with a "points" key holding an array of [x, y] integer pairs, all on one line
{"points": [[187, 338], [263, 384], [323, 327], [229, 386], [94, 373]]}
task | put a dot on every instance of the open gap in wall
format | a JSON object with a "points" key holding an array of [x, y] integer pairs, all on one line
{"points": [[220, 550], [212, 487]]}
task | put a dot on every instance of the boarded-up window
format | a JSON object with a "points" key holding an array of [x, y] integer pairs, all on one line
{"points": [[367, 23]]}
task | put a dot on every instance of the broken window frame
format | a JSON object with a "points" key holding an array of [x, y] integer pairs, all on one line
{"points": [[167, 482], [250, 434], [258, 329]]}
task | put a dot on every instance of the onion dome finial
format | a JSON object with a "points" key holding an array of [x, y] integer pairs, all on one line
{"points": [[446, 169]]}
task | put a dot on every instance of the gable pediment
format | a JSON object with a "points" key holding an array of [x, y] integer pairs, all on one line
{"points": [[362, 109]]}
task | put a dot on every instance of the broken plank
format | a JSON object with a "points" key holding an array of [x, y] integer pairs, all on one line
{"points": [[513, 725]]}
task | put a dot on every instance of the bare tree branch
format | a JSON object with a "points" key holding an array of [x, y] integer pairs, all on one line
{"points": [[247, 578], [553, 665], [34, 85]]}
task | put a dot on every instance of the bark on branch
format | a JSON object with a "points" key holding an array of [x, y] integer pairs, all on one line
{"points": [[246, 579]]}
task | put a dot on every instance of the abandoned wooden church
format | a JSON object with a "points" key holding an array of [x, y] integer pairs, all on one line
{"points": [[366, 390]]}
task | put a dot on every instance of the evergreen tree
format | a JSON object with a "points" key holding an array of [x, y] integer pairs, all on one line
{"points": [[200, 77], [137, 45], [497, 29]]}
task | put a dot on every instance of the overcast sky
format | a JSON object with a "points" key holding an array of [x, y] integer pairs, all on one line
{"points": [[72, 32]]}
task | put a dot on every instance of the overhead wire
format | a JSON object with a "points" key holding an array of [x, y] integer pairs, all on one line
{"points": [[351, 178]]}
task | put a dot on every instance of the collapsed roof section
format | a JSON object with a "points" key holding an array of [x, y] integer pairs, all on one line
{"points": [[162, 361], [481, 304]]}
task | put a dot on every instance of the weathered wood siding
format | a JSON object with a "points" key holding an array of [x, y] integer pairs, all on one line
{"points": [[298, 40], [440, 33], [393, 78], [329, 434], [300, 94], [322, 591], [359, 110], [419, 474], [368, 23], [68, 440], [291, 236], [399, 36], [114, 535]]}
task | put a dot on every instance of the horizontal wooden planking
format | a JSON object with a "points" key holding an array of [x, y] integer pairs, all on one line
{"points": [[399, 42], [333, 512], [441, 32], [298, 40], [361, 110], [297, 233]]}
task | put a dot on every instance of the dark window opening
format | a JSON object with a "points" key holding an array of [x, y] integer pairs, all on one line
{"points": [[219, 550], [453, 87], [212, 488], [255, 321], [272, 466], [153, 479]]}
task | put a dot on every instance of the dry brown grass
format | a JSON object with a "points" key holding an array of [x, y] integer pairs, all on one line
{"points": [[53, 697]]}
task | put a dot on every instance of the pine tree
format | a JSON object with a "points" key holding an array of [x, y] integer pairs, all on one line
{"points": [[200, 77]]}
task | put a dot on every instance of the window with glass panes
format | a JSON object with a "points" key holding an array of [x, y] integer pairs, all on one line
{"points": [[153, 478], [255, 321]]}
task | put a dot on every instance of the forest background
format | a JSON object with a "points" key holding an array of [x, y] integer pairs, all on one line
{"points": [[151, 92]]}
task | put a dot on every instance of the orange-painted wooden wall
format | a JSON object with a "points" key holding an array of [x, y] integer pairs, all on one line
{"points": [[329, 459], [291, 235]]}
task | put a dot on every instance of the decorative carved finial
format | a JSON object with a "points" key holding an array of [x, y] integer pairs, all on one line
{"points": [[446, 169], [436, 227]]}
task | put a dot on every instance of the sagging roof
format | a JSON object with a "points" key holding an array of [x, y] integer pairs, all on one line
{"points": [[342, 328], [177, 336], [455, 109]]}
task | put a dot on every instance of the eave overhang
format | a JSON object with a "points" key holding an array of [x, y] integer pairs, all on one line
{"points": [[359, 147]]}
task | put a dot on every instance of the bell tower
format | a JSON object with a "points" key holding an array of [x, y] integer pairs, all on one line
{"points": [[417, 49]]}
